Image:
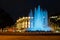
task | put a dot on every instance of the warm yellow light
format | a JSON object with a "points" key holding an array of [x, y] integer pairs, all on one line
{"points": [[23, 22], [53, 17]]}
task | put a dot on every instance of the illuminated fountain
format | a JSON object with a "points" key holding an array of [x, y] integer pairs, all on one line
{"points": [[31, 19], [39, 22]]}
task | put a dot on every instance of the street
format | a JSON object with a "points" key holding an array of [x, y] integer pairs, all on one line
{"points": [[29, 37]]}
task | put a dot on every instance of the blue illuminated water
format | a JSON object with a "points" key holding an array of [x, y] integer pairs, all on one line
{"points": [[39, 21]]}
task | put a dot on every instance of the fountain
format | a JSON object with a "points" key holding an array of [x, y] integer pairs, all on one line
{"points": [[39, 22]]}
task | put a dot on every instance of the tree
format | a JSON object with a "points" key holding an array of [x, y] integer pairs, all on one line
{"points": [[58, 22], [5, 19]]}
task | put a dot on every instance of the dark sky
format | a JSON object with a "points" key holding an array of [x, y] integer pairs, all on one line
{"points": [[18, 8]]}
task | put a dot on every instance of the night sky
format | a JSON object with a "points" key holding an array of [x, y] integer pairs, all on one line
{"points": [[21, 8]]}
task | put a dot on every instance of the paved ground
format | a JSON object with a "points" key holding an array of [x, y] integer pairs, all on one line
{"points": [[32, 37], [29, 37]]}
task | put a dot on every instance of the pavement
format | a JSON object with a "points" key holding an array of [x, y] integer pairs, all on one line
{"points": [[29, 36]]}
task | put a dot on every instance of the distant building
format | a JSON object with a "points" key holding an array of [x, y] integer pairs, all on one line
{"points": [[53, 21], [23, 23]]}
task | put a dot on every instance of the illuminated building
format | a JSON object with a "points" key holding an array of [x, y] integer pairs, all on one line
{"points": [[54, 22], [23, 23]]}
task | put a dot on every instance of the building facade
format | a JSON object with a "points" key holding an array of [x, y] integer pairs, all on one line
{"points": [[23, 23]]}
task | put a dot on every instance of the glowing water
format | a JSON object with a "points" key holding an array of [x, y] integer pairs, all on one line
{"points": [[39, 21], [31, 19]]}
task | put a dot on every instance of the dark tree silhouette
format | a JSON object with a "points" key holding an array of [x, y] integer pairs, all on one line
{"points": [[5, 19], [58, 22]]}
